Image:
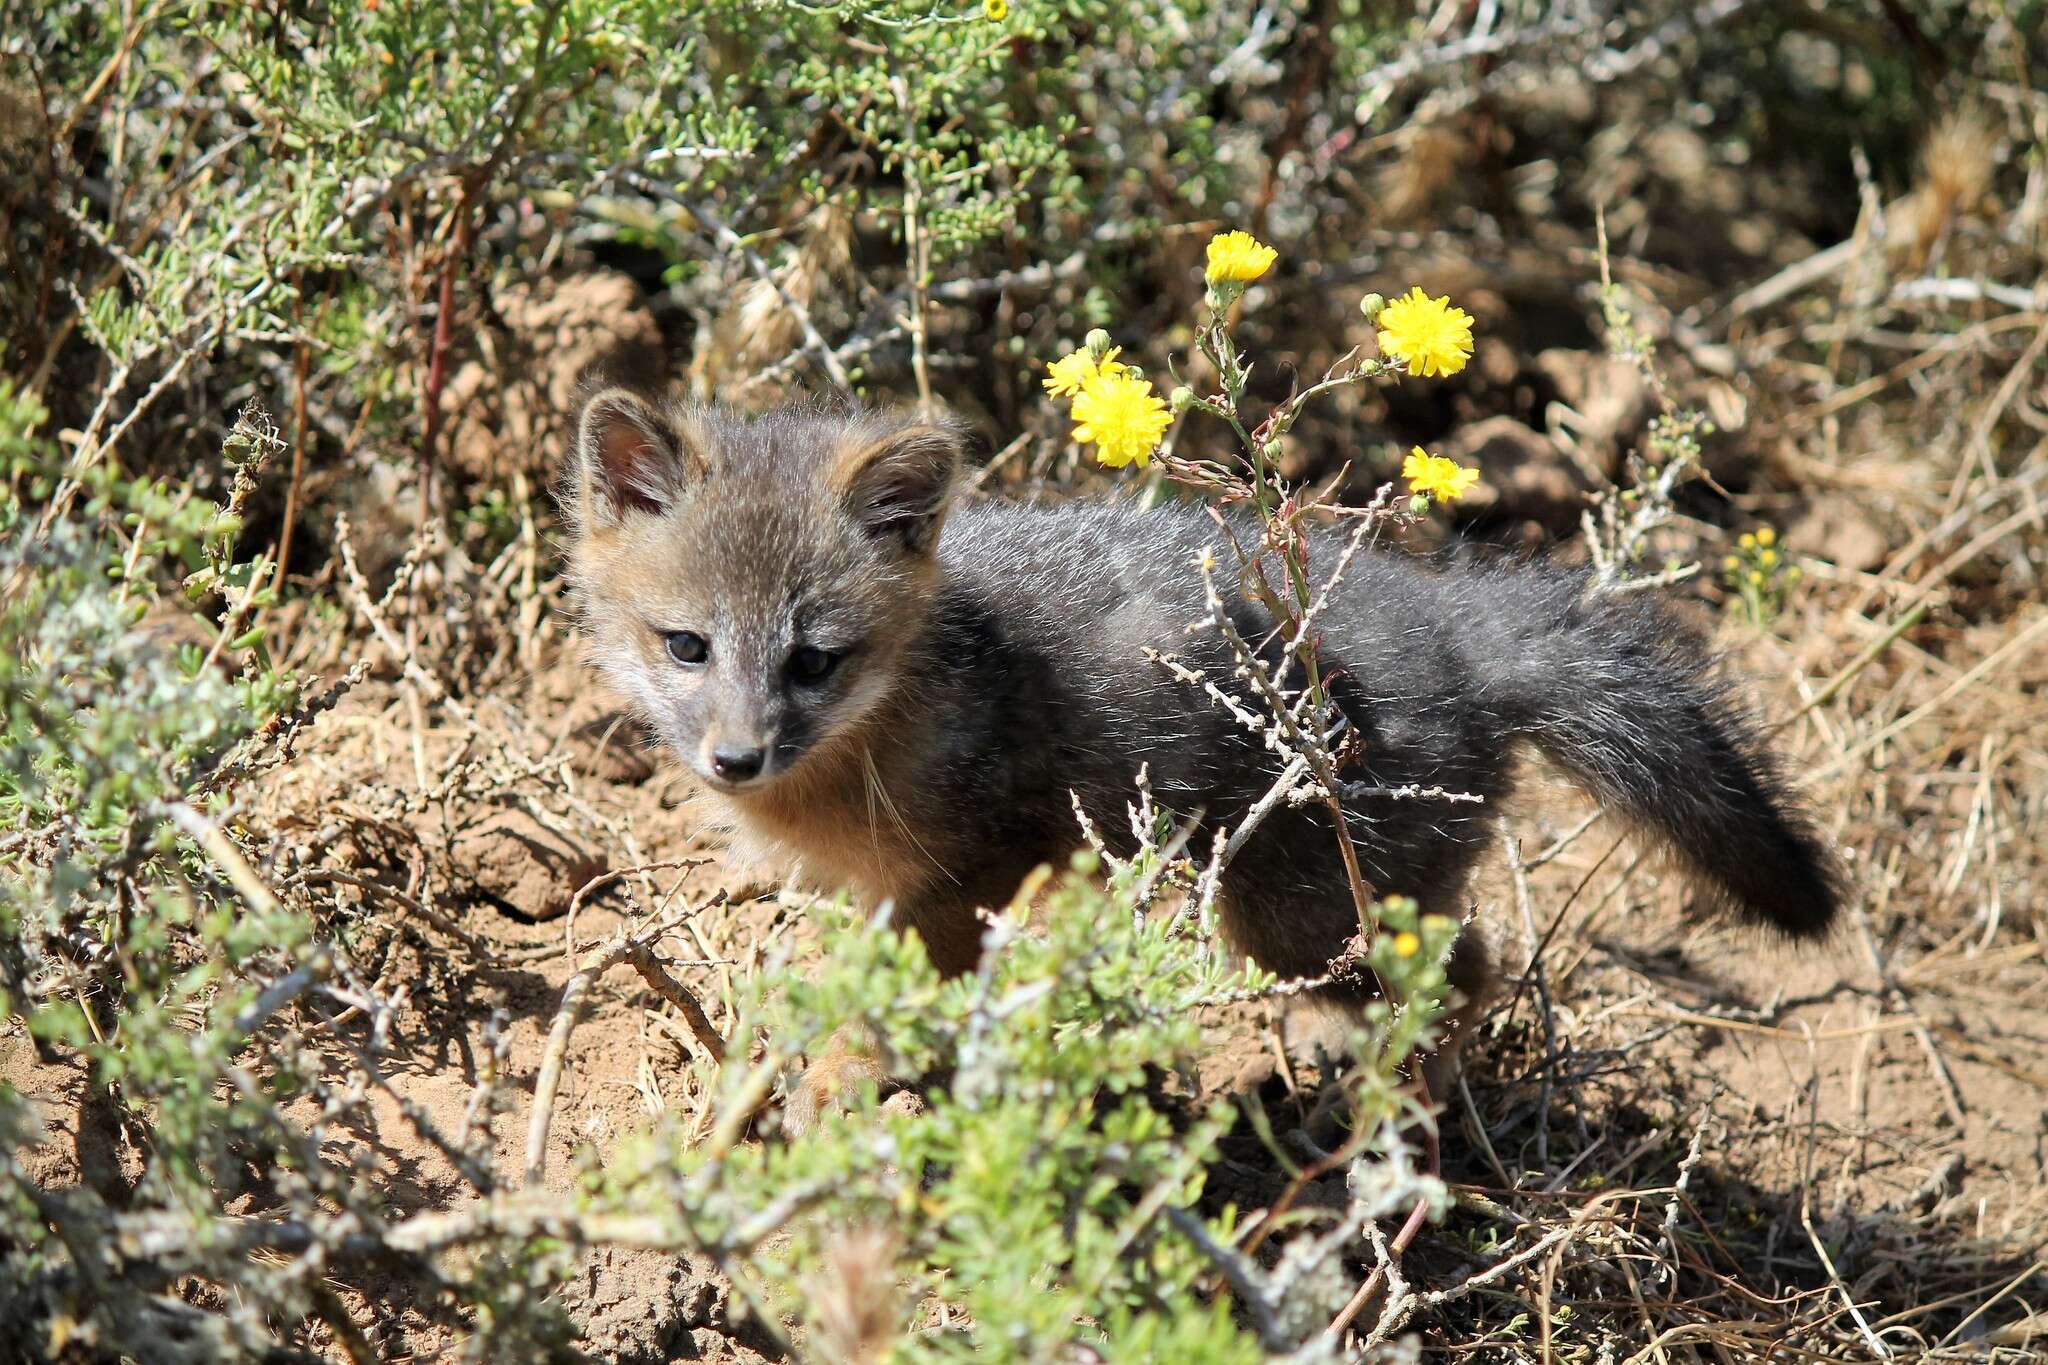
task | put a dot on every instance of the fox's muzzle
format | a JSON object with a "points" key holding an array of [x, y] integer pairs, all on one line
{"points": [[736, 758]]}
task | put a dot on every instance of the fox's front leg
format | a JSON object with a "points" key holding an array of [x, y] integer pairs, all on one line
{"points": [[852, 1057], [950, 928]]}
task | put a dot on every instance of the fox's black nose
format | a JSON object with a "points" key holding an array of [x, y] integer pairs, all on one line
{"points": [[738, 765]]}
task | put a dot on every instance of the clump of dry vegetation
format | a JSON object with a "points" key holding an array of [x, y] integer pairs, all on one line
{"points": [[371, 991]]}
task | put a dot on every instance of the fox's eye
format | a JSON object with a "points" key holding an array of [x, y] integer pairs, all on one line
{"points": [[812, 665], [687, 646]]}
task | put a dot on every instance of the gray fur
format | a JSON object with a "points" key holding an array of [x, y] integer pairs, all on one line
{"points": [[1021, 676]]}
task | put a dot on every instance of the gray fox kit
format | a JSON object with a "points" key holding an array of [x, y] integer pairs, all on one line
{"points": [[888, 690]]}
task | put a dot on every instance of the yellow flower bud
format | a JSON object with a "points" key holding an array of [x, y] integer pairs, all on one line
{"points": [[1768, 558], [1406, 945], [1766, 536], [1748, 541]]}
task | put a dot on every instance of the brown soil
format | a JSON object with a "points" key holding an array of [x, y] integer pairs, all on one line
{"points": [[508, 405], [1904, 1125], [1866, 1120]]}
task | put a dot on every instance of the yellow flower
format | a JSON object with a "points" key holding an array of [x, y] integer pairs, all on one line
{"points": [[1071, 373], [1238, 258], [1437, 476], [1769, 558], [997, 10], [1756, 578], [1425, 334], [1122, 416], [1406, 945], [1747, 542], [1766, 536], [1731, 563]]}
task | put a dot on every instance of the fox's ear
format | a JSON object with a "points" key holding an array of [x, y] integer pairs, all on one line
{"points": [[629, 458], [898, 485]]}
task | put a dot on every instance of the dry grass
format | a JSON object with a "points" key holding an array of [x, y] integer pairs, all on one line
{"points": [[1673, 1141]]}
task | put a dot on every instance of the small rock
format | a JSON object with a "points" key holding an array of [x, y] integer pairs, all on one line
{"points": [[516, 863], [1835, 529], [1610, 401]]}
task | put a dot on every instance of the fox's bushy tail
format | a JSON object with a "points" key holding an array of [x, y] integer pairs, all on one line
{"points": [[1625, 700]]}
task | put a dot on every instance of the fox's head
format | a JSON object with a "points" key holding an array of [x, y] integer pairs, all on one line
{"points": [[753, 584]]}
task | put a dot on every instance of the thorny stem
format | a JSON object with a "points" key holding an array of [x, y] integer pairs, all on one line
{"points": [[1280, 526], [1432, 1162], [1282, 535], [636, 949], [1361, 894]]}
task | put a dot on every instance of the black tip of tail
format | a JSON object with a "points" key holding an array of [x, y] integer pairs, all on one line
{"points": [[1781, 877], [1628, 702]]}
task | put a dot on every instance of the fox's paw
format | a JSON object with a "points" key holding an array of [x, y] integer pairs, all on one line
{"points": [[827, 1086], [830, 1085]]}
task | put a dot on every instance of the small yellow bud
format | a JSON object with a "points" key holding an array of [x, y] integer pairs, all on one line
{"points": [[1768, 558], [1748, 541], [1406, 945], [1732, 563], [1756, 578], [1766, 536]]}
